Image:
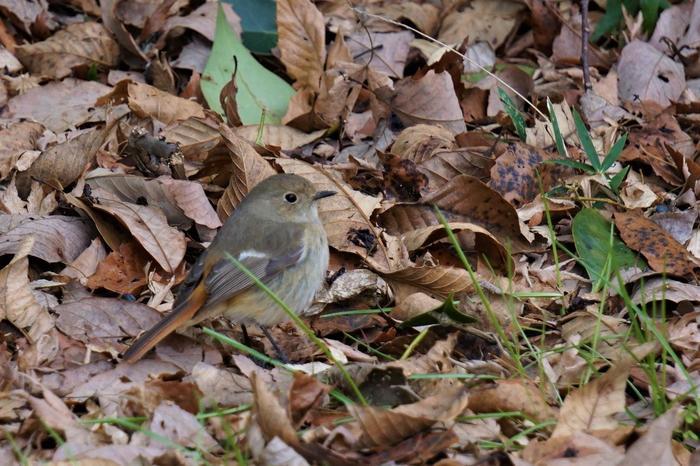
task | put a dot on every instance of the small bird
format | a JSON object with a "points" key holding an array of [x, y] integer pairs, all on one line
{"points": [[276, 234]]}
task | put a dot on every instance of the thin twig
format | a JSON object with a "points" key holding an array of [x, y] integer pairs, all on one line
{"points": [[585, 33]]}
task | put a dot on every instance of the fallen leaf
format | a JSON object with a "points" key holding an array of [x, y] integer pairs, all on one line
{"points": [[181, 427], [648, 76], [221, 387], [302, 41], [122, 271], [14, 140], [481, 20], [148, 101], [515, 173], [103, 322], [58, 105], [390, 59], [663, 253], [284, 137], [511, 395], [57, 238], [78, 45], [654, 447], [270, 415], [430, 99], [249, 169], [149, 227]]}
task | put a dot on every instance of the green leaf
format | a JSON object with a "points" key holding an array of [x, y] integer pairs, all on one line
{"points": [[614, 153], [586, 142], [514, 114], [616, 180], [650, 13], [558, 139], [609, 21], [261, 93], [573, 164], [601, 251], [258, 23]]}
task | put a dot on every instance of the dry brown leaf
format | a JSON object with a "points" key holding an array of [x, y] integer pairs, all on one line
{"points": [[425, 16], [249, 169], [346, 216], [270, 415], [382, 427], [118, 28], [512, 395], [463, 199], [305, 394], [62, 164], [195, 136], [481, 20], [221, 387], [284, 137], [181, 201], [182, 428], [78, 45], [148, 101], [86, 263], [435, 153], [648, 76], [390, 59], [122, 271], [102, 322], [431, 99], [654, 447], [59, 105], [149, 227], [591, 408], [663, 253], [57, 238], [17, 302], [302, 41], [14, 140], [515, 173]]}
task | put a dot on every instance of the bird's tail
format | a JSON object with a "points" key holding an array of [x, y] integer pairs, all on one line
{"points": [[167, 325]]}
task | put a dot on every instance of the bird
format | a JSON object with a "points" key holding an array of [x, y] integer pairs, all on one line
{"points": [[277, 234]]}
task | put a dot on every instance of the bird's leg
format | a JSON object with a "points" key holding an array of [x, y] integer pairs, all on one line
{"points": [[280, 354]]}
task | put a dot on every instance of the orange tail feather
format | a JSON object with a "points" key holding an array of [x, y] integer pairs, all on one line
{"points": [[167, 325]]}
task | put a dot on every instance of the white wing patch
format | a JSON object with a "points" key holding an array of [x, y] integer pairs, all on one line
{"points": [[248, 253]]}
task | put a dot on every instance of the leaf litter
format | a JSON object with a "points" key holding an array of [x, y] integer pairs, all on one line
{"points": [[501, 288]]}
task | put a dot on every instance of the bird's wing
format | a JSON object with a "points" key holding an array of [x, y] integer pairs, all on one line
{"points": [[226, 279]]}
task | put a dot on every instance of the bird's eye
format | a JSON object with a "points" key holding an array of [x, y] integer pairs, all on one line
{"points": [[290, 197]]}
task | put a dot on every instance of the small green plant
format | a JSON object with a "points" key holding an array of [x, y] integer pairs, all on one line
{"points": [[515, 116], [594, 165], [613, 15]]}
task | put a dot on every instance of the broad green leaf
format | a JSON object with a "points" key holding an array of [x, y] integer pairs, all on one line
{"points": [[601, 254], [258, 23], [609, 21], [586, 141], [514, 114], [616, 180], [261, 93], [614, 153]]}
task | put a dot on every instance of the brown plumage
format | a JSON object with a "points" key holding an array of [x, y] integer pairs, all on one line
{"points": [[277, 234]]}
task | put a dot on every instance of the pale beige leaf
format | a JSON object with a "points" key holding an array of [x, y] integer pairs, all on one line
{"points": [[284, 137], [302, 40], [148, 101], [249, 169], [14, 140], [481, 20], [17, 302], [180, 200], [59, 105], [512, 395], [436, 280], [181, 427], [86, 263], [62, 164], [648, 76], [270, 415], [57, 238], [429, 100], [80, 44], [150, 228], [592, 406], [654, 448]]}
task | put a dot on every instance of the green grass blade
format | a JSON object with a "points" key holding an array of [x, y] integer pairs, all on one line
{"points": [[586, 142], [515, 116], [614, 153], [558, 138]]}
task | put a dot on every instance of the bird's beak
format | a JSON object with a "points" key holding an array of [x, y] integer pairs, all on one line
{"points": [[322, 194]]}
